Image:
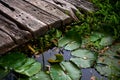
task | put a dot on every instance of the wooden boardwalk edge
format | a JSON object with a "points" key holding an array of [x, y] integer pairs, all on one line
{"points": [[22, 20]]}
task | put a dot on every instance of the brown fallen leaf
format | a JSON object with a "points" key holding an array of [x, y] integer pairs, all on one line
{"points": [[93, 78]]}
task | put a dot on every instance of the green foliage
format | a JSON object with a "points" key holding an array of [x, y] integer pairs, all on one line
{"points": [[91, 35], [105, 19], [20, 63], [3, 73], [47, 41]]}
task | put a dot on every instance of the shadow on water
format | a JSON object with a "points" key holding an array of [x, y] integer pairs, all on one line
{"points": [[86, 73]]}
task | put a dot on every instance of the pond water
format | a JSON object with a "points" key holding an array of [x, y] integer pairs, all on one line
{"points": [[42, 58]]}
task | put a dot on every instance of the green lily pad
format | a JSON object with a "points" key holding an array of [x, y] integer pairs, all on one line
{"points": [[71, 36], [20, 63], [63, 41], [57, 73], [12, 60], [106, 41], [83, 58], [73, 45], [71, 70], [109, 63], [31, 70], [40, 76], [96, 36]]}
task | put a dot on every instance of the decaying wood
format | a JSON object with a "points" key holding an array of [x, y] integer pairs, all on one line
{"points": [[18, 35], [82, 4], [51, 9], [28, 22], [49, 19], [6, 42], [65, 7]]}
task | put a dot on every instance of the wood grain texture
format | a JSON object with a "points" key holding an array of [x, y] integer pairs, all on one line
{"points": [[18, 35], [43, 16], [66, 7], [50, 8], [28, 22], [6, 42], [82, 4]]}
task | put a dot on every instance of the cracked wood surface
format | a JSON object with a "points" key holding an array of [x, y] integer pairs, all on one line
{"points": [[22, 20]]}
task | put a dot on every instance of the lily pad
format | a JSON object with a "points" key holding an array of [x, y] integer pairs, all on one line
{"points": [[106, 41], [31, 70], [73, 45], [63, 41], [109, 63], [20, 63], [57, 73], [71, 70], [83, 58], [40, 76], [71, 36], [96, 36]]}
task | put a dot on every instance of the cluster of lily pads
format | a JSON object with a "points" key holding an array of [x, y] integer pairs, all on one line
{"points": [[107, 63]]}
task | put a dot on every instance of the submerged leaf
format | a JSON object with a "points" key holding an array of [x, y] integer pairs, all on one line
{"points": [[71, 70], [83, 58]]}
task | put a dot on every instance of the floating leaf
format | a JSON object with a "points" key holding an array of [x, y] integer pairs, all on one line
{"points": [[59, 58], [57, 73], [96, 36], [108, 64], [71, 36], [40, 76], [73, 45], [63, 41], [83, 58], [10, 60], [19, 63], [106, 41], [31, 69], [71, 70]]}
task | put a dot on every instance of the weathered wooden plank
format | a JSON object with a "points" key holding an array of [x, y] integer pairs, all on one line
{"points": [[38, 13], [50, 8], [28, 22], [82, 4], [66, 7], [6, 42], [18, 35]]}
